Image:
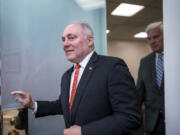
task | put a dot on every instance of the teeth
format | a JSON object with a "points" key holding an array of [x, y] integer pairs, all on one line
{"points": [[69, 51]]}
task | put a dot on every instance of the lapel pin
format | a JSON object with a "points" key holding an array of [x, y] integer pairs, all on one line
{"points": [[90, 68]]}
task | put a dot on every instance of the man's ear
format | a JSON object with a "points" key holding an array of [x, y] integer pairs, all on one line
{"points": [[91, 41]]}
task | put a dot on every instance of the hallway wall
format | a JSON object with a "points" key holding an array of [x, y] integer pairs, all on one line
{"points": [[130, 51]]}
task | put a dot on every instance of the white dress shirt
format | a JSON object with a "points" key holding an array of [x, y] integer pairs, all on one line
{"points": [[82, 64]]}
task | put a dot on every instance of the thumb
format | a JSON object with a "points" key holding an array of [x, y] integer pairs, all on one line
{"points": [[66, 132]]}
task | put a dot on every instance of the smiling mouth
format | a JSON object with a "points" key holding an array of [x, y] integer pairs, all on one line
{"points": [[69, 51]]}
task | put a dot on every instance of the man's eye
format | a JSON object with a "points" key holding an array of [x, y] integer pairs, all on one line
{"points": [[72, 37], [63, 39], [155, 37]]}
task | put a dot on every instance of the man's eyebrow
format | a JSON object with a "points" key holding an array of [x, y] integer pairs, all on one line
{"points": [[155, 36], [70, 34]]}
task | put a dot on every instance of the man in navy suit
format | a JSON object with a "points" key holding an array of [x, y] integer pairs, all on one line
{"points": [[104, 102], [150, 84]]}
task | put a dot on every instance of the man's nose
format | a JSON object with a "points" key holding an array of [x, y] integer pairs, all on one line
{"points": [[152, 41], [66, 43]]}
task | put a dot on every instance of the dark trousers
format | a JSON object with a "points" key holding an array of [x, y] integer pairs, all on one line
{"points": [[160, 127]]}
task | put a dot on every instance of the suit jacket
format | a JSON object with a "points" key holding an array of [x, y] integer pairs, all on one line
{"points": [[149, 92], [105, 101]]}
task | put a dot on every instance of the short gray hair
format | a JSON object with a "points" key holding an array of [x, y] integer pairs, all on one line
{"points": [[85, 27], [154, 25]]}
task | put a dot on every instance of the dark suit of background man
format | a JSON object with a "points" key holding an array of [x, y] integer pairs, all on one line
{"points": [[150, 91], [105, 102]]}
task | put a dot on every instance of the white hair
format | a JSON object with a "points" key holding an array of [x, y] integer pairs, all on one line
{"points": [[154, 25], [85, 27]]}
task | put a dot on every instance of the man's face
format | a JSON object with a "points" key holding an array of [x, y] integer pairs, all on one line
{"points": [[76, 43], [155, 39]]}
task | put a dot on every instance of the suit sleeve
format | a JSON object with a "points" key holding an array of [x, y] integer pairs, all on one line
{"points": [[140, 85], [46, 108], [126, 116]]}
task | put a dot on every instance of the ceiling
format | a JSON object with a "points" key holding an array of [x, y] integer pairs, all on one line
{"points": [[124, 28]]}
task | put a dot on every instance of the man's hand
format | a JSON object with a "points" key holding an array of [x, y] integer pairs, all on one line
{"points": [[74, 130], [25, 99]]}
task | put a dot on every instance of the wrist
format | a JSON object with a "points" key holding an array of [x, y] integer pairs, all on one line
{"points": [[32, 105]]}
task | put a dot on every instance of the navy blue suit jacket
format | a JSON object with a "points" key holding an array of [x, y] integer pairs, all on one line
{"points": [[105, 102]]}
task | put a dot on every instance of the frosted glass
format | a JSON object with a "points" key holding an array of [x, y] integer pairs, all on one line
{"points": [[32, 56]]}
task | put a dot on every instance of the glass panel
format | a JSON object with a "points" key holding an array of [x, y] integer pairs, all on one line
{"points": [[32, 56]]}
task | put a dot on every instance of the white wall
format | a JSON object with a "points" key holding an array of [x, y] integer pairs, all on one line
{"points": [[172, 65], [130, 51]]}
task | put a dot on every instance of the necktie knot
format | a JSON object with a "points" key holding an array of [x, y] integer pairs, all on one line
{"points": [[77, 66]]}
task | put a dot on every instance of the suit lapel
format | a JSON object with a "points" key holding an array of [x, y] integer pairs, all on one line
{"points": [[88, 71], [161, 89], [65, 96]]}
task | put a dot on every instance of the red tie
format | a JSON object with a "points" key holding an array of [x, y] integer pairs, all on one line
{"points": [[74, 86]]}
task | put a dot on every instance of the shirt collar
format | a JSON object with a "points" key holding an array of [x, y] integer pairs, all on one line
{"points": [[157, 54], [84, 62]]}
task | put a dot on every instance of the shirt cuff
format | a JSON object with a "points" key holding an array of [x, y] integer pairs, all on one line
{"points": [[35, 107]]}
